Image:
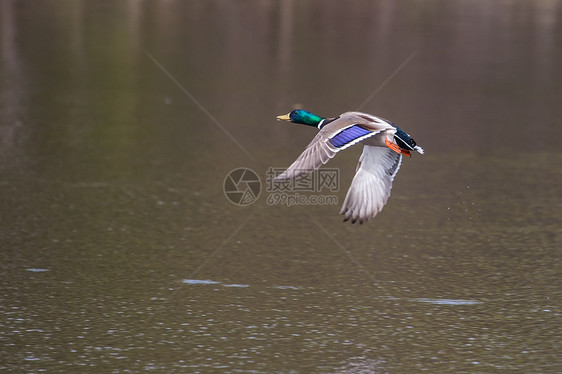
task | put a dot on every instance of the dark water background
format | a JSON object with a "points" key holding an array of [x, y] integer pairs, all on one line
{"points": [[119, 121]]}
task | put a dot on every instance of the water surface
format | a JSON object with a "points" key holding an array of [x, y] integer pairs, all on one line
{"points": [[119, 122]]}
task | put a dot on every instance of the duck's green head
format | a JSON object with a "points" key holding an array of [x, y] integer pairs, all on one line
{"points": [[303, 117]]}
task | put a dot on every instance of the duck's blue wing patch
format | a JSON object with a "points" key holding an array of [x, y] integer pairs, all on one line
{"points": [[348, 136]]}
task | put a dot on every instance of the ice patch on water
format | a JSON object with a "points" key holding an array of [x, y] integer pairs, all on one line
{"points": [[233, 285], [446, 301], [199, 281]]}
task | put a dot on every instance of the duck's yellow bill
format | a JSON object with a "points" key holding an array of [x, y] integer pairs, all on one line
{"points": [[284, 117]]}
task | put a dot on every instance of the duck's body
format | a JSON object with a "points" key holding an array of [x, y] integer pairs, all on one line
{"points": [[384, 144]]}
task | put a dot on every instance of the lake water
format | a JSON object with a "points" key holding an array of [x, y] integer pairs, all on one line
{"points": [[119, 122]]}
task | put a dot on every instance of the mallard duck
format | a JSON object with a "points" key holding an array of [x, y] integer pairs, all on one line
{"points": [[384, 145]]}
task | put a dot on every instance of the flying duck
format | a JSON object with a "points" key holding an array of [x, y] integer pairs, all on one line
{"points": [[384, 145]]}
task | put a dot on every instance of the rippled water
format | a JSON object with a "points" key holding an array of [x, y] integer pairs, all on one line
{"points": [[119, 122]]}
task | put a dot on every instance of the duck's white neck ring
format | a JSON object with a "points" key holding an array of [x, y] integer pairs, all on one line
{"points": [[320, 124]]}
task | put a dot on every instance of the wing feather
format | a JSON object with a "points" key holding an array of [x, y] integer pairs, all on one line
{"points": [[370, 188]]}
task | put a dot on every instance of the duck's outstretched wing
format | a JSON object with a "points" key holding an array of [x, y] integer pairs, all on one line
{"points": [[338, 134], [370, 188]]}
